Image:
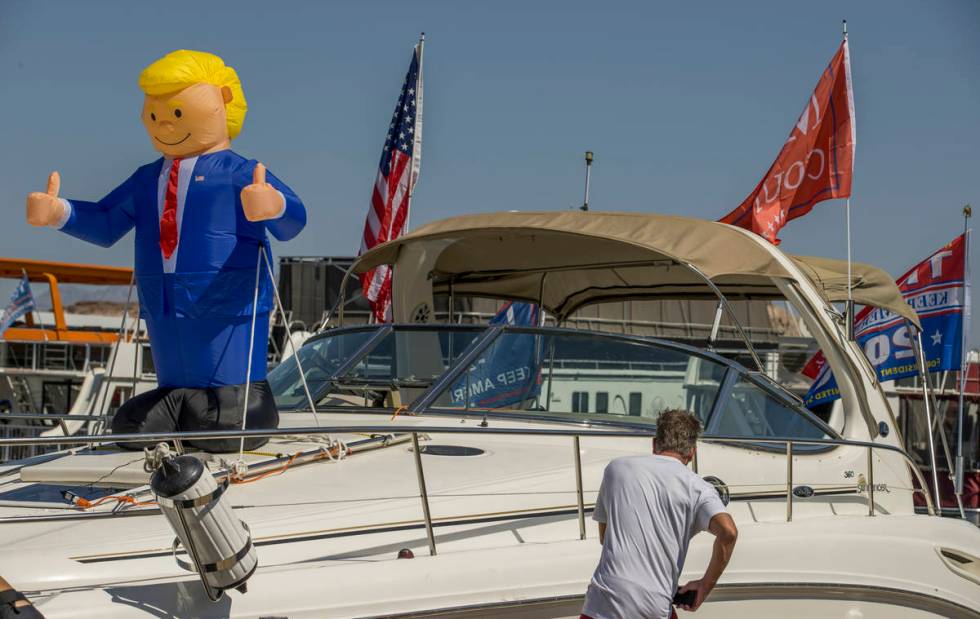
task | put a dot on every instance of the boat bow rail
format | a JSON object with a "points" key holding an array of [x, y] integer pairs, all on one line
{"points": [[867, 488]]}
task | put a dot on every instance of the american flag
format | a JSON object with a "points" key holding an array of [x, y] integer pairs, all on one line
{"points": [[397, 173], [21, 302]]}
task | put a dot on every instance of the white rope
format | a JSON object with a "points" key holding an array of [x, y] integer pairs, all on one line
{"points": [[100, 421], [327, 442], [251, 349], [292, 345], [153, 458]]}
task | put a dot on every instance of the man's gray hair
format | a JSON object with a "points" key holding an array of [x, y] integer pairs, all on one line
{"points": [[677, 431]]}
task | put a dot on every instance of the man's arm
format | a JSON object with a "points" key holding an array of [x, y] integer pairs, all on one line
{"points": [[602, 532], [726, 534]]}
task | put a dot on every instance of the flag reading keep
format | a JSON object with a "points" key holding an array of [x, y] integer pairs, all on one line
{"points": [[937, 289]]}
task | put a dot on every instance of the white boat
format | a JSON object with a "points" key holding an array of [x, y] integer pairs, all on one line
{"points": [[60, 361], [487, 475]]}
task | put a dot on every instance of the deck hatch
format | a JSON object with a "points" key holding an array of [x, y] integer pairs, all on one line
{"points": [[451, 450]]}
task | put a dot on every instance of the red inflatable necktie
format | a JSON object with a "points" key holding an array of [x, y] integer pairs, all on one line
{"points": [[168, 223]]}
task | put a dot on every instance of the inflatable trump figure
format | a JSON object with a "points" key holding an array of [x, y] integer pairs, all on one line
{"points": [[201, 213]]}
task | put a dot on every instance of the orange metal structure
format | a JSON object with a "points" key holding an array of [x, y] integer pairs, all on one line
{"points": [[67, 273]]}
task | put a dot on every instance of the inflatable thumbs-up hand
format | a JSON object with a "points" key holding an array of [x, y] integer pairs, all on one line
{"points": [[260, 200], [45, 208]]}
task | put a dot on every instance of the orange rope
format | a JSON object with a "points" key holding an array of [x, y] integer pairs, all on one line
{"points": [[86, 504], [332, 453], [278, 471], [398, 411]]}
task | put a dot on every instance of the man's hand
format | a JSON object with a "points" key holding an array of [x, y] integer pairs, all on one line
{"points": [[260, 200], [701, 591], [45, 208]]}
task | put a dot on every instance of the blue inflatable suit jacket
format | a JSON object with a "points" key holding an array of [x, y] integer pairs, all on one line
{"points": [[198, 316]]}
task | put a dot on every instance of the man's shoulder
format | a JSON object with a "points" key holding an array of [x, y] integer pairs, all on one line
{"points": [[630, 465], [628, 462], [663, 465]]}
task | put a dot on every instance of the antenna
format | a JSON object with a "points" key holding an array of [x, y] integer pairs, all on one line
{"points": [[588, 176]]}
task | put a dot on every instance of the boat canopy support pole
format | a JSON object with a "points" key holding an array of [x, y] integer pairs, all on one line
{"points": [[715, 326], [339, 305], [594, 266], [579, 494], [452, 302], [424, 494], [927, 402], [789, 481], [722, 300]]}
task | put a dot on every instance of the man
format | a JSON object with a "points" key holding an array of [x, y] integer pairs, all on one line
{"points": [[13, 604], [648, 509], [201, 214]]}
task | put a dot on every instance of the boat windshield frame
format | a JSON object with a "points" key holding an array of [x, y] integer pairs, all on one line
{"points": [[424, 404], [340, 376]]}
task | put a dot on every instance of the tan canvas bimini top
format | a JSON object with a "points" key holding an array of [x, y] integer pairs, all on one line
{"points": [[869, 284], [569, 259]]}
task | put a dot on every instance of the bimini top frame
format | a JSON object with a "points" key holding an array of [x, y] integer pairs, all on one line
{"points": [[565, 260]]}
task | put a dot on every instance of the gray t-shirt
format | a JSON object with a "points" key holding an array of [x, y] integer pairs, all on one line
{"points": [[652, 507]]}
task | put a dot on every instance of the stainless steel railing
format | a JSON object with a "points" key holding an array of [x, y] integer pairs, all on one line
{"points": [[575, 433]]}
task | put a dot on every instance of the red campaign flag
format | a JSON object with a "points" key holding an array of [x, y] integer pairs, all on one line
{"points": [[816, 162], [814, 365]]}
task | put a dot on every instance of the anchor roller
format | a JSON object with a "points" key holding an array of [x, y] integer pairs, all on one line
{"points": [[218, 544]]}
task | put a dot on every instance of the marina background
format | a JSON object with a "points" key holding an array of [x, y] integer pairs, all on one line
{"points": [[684, 106]]}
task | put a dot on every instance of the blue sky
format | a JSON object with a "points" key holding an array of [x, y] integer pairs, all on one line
{"points": [[684, 104]]}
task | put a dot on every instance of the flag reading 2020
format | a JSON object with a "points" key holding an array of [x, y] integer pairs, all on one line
{"points": [[935, 288], [391, 197], [815, 163], [508, 373]]}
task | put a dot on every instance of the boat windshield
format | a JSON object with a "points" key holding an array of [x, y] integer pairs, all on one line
{"points": [[387, 365], [562, 372], [571, 374], [559, 374]]}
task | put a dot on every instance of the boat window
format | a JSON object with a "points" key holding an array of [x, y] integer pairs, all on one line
{"points": [[405, 358], [147, 361], [556, 372], [416, 355], [752, 411], [602, 402], [320, 359]]}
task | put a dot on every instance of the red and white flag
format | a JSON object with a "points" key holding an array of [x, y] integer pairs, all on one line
{"points": [[397, 174], [816, 162]]}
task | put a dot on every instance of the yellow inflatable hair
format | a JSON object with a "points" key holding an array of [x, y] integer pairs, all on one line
{"points": [[183, 68]]}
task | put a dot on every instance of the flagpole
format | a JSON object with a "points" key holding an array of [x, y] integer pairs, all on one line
{"points": [[964, 369], [34, 309], [849, 308], [417, 136]]}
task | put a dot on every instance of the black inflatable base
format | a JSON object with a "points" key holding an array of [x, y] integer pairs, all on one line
{"points": [[183, 409]]}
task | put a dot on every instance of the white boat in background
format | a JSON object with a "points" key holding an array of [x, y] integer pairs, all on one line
{"points": [[58, 361], [462, 446]]}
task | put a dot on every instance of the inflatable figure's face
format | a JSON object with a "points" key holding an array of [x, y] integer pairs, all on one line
{"points": [[188, 122]]}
